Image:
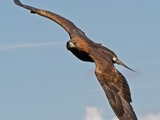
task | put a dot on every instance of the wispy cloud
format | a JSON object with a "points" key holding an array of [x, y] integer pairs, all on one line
{"points": [[93, 113], [29, 45]]}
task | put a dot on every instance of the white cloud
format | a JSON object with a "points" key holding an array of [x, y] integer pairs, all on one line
{"points": [[93, 113], [28, 45], [151, 116], [115, 118]]}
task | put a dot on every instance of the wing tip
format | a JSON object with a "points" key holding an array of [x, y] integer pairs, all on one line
{"points": [[17, 2]]}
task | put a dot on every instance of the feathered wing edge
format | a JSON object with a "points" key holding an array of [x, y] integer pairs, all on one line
{"points": [[120, 104], [65, 23], [118, 94], [114, 85]]}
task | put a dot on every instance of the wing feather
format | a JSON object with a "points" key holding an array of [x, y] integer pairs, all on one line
{"points": [[117, 91], [65, 23]]}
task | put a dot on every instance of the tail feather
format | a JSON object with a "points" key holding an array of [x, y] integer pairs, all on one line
{"points": [[116, 60]]}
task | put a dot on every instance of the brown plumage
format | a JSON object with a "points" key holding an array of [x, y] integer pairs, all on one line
{"points": [[112, 81]]}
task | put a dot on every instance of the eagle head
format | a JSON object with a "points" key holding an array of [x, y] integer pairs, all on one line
{"points": [[79, 49]]}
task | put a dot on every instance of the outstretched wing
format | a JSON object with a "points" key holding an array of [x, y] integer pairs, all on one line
{"points": [[65, 23], [116, 89], [114, 85]]}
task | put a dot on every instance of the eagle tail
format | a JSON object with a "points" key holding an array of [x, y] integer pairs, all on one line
{"points": [[116, 60]]}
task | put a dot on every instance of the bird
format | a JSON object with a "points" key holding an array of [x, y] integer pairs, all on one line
{"points": [[112, 81]]}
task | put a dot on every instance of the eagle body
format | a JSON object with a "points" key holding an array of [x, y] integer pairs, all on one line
{"points": [[112, 81]]}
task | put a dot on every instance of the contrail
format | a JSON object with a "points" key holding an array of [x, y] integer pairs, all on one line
{"points": [[29, 45]]}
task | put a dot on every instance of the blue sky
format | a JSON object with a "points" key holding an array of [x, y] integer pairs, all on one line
{"points": [[41, 80]]}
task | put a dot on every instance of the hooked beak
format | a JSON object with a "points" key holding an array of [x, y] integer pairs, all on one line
{"points": [[70, 45]]}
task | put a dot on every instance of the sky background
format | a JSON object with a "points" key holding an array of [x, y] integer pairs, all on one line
{"points": [[41, 80]]}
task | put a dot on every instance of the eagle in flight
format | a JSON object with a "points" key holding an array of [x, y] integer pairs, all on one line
{"points": [[112, 81]]}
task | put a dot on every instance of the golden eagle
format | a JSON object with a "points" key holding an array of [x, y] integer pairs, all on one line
{"points": [[112, 81]]}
